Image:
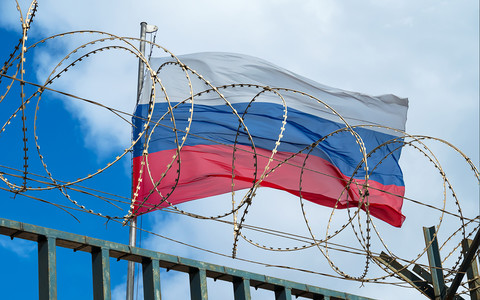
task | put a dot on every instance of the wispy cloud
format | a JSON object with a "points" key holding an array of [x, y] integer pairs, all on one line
{"points": [[20, 247]]}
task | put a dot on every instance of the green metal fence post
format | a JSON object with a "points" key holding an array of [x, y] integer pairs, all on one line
{"points": [[241, 288], [472, 272], [283, 293], [405, 274], [198, 284], [102, 251], [101, 273], [47, 269], [435, 262], [151, 279]]}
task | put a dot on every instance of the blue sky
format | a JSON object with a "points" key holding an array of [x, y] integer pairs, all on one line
{"points": [[425, 51]]}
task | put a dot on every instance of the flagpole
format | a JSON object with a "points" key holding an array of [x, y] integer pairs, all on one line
{"points": [[133, 222]]}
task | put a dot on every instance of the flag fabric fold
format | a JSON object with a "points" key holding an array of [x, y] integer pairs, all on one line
{"points": [[203, 141]]}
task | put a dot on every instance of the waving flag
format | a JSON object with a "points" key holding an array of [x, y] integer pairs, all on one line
{"points": [[255, 116]]}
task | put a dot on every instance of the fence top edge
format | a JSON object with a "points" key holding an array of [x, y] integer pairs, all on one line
{"points": [[125, 252]]}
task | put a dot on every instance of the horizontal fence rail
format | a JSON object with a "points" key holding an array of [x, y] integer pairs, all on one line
{"points": [[101, 251]]}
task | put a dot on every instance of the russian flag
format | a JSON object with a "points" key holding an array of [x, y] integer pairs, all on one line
{"points": [[327, 145]]}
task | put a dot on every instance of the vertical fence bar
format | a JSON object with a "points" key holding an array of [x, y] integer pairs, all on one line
{"points": [[435, 262], [151, 279], [283, 293], [101, 273], [47, 240], [198, 284], [47, 268], [467, 261], [472, 272], [241, 288]]}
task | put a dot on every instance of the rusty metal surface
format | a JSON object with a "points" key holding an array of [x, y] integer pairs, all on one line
{"points": [[167, 261]]}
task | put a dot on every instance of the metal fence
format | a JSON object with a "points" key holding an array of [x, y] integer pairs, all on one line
{"points": [[101, 252]]}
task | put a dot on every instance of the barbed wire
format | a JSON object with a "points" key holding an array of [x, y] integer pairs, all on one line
{"points": [[363, 226], [338, 247]]}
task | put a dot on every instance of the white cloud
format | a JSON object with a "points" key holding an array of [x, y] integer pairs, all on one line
{"points": [[20, 247], [119, 291]]}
